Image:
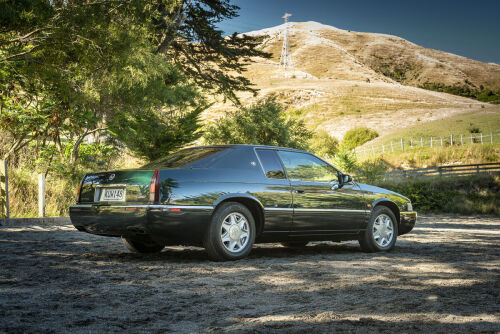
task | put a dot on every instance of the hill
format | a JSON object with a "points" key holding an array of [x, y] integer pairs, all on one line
{"points": [[342, 79]]}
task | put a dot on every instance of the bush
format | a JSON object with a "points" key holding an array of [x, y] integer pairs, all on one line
{"points": [[324, 145], [264, 123], [345, 160], [464, 195], [357, 137], [372, 170]]}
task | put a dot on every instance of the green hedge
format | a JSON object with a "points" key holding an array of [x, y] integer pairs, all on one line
{"points": [[465, 195]]}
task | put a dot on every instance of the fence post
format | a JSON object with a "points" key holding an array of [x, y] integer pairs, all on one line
{"points": [[471, 141], [4, 190], [41, 195], [451, 140], [440, 171], [383, 148], [481, 139], [477, 169], [411, 142], [421, 142], [461, 140], [491, 136], [431, 142], [441, 141], [402, 145], [392, 148]]}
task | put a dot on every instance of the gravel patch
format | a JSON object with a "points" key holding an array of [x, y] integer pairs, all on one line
{"points": [[442, 277]]}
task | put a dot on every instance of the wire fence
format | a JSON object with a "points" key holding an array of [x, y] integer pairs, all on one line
{"points": [[406, 144]]}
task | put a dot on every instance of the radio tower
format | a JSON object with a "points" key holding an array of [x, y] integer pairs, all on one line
{"points": [[286, 57]]}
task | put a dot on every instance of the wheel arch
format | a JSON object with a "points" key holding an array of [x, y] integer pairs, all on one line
{"points": [[252, 203], [391, 205]]}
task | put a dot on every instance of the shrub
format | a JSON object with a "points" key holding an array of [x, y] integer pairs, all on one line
{"points": [[345, 160], [357, 137], [324, 145], [372, 170], [264, 123]]}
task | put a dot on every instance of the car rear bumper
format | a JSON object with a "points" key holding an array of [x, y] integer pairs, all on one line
{"points": [[162, 222], [408, 219]]}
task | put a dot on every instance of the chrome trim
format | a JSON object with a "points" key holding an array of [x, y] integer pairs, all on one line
{"points": [[312, 210], [146, 206], [330, 210]]}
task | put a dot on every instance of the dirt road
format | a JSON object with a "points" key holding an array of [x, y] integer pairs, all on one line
{"points": [[443, 277]]}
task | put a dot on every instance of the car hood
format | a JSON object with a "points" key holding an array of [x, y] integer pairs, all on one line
{"points": [[381, 191]]}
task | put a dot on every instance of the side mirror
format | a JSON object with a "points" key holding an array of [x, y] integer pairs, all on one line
{"points": [[346, 178]]}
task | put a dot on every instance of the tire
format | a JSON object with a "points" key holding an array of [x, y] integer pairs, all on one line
{"points": [[142, 245], [295, 244], [231, 233], [381, 232]]}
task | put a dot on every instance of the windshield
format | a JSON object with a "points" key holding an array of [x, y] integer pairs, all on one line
{"points": [[195, 157]]}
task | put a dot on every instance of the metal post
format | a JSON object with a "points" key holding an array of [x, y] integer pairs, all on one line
{"points": [[4, 190], [41, 195], [411, 142], [402, 145], [441, 141], [491, 136], [471, 141], [451, 140], [431, 142], [421, 142], [481, 139], [461, 140]]}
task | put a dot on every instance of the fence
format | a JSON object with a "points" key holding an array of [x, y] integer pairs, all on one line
{"points": [[4, 192], [402, 144], [455, 170]]}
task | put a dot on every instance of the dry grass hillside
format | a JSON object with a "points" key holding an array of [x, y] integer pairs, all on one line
{"points": [[338, 83]]}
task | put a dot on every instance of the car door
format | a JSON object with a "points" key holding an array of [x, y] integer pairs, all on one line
{"points": [[318, 201]]}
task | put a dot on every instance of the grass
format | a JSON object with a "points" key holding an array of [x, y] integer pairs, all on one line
{"points": [[437, 156], [479, 122], [477, 194]]}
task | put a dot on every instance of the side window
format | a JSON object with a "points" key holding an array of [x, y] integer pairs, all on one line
{"points": [[305, 167], [271, 164]]}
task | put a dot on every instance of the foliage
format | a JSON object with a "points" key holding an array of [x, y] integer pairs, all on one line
{"points": [[465, 195], [323, 145], [150, 137], [481, 94], [264, 123], [72, 68], [371, 170], [345, 160], [357, 137]]}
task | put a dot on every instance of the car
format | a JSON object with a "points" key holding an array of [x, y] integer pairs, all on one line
{"points": [[226, 198]]}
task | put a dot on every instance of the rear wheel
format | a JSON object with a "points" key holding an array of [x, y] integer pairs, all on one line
{"points": [[142, 246], [381, 232], [231, 233]]}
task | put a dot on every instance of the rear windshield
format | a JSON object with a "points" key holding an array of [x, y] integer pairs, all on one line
{"points": [[196, 157]]}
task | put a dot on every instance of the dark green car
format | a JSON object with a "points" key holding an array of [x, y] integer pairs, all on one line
{"points": [[226, 198]]}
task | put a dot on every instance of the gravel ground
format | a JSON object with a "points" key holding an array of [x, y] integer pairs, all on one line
{"points": [[442, 277]]}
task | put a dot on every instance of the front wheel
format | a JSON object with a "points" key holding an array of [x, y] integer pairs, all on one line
{"points": [[381, 232], [231, 233]]}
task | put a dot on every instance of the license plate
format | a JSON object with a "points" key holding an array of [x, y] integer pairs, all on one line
{"points": [[113, 194]]}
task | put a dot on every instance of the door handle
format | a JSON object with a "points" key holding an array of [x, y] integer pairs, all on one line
{"points": [[299, 191]]}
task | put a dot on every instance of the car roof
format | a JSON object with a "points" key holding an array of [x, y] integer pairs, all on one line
{"points": [[252, 146]]}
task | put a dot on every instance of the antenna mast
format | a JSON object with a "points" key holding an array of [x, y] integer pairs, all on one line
{"points": [[286, 60]]}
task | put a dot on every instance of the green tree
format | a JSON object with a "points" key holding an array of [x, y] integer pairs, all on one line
{"points": [[323, 145], [72, 68], [357, 137], [264, 123]]}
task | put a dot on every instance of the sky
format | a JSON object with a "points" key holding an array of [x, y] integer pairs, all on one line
{"points": [[466, 28]]}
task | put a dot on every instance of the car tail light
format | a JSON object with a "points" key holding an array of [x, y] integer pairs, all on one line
{"points": [[80, 189], [154, 187]]}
